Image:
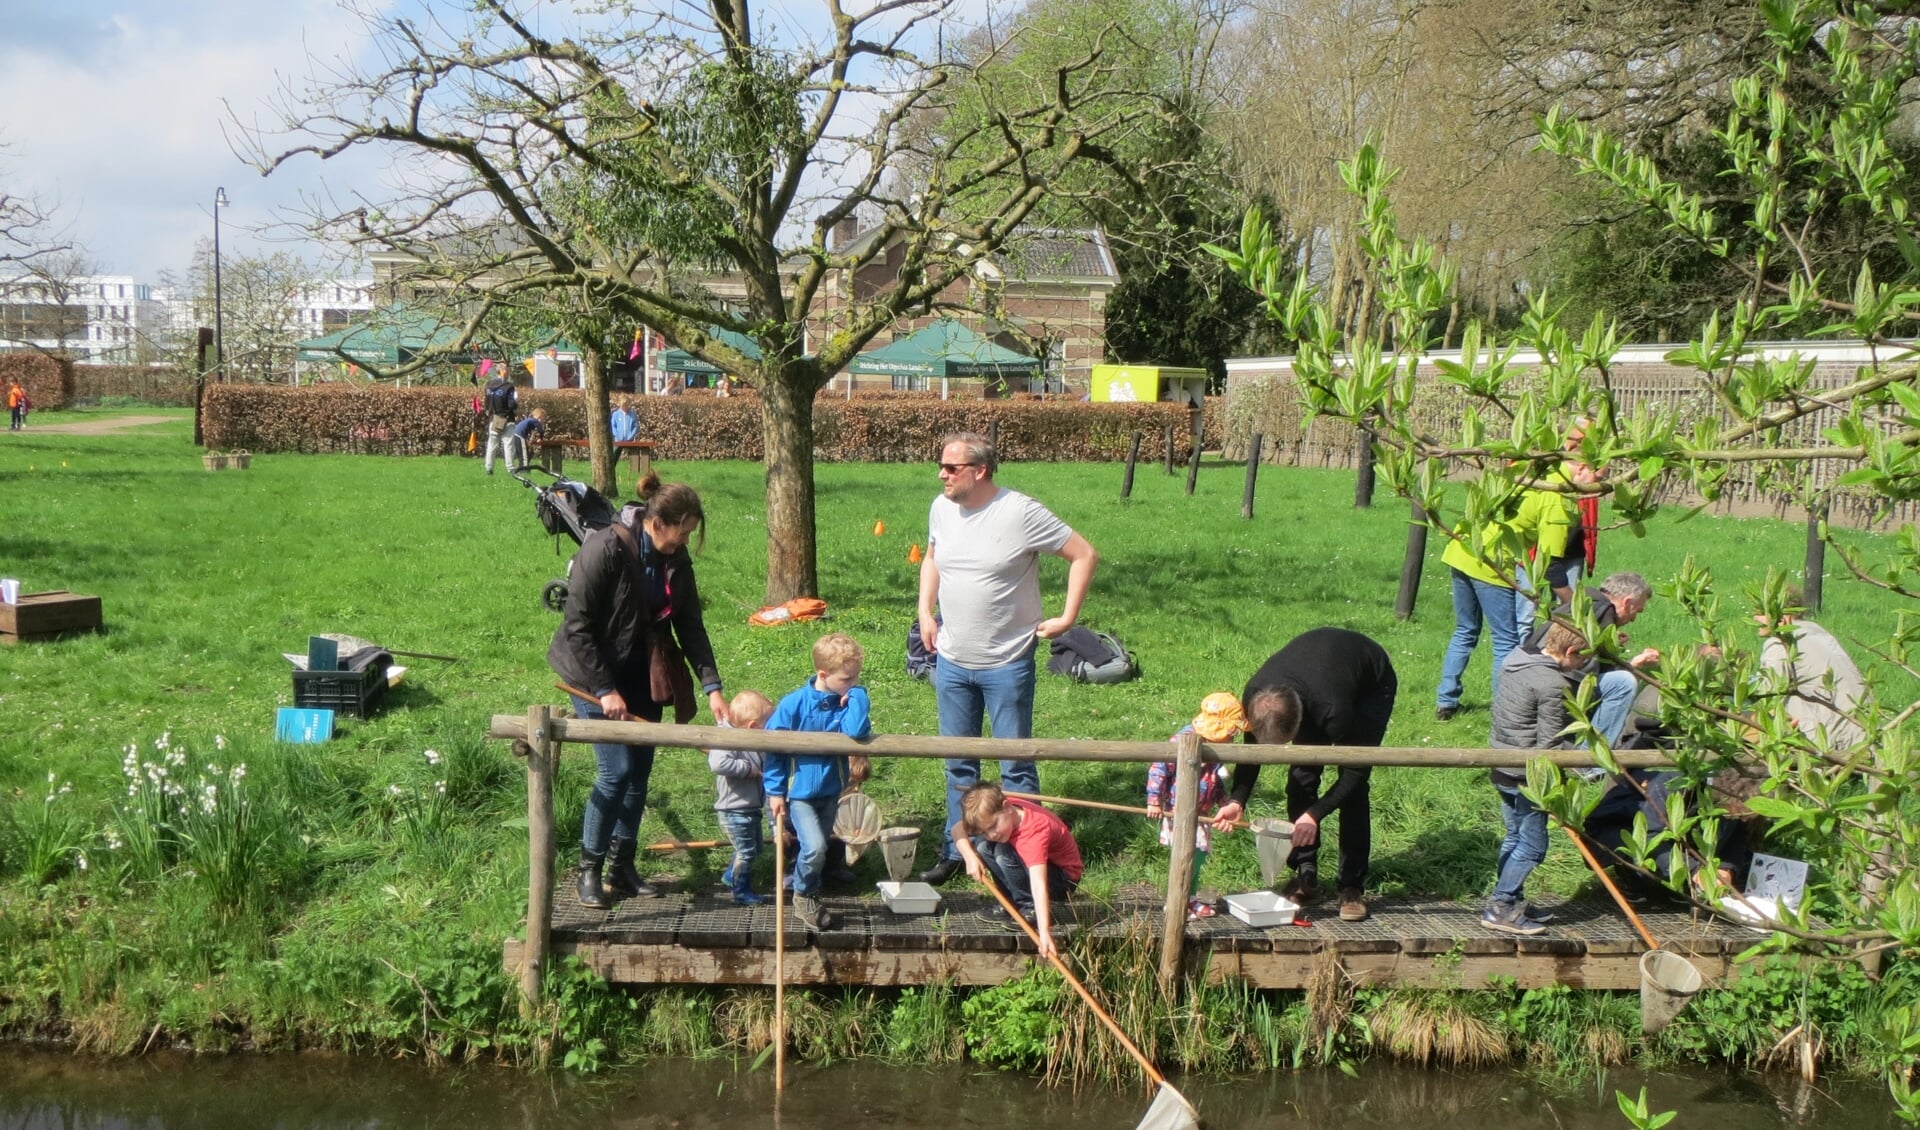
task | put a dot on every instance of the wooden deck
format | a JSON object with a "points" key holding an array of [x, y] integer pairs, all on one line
{"points": [[701, 938]]}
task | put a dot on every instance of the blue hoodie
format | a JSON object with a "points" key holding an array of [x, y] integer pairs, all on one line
{"points": [[813, 776]]}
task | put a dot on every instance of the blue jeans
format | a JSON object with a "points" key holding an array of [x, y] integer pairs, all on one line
{"points": [[619, 787], [1523, 849], [1525, 606], [1010, 874], [1476, 602], [966, 697], [743, 829], [1617, 688], [812, 824]]}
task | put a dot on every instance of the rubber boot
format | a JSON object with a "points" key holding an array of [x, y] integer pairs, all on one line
{"points": [[622, 878], [588, 887], [739, 880]]}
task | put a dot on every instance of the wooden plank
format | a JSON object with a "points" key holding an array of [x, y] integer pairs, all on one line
{"points": [[588, 730], [680, 965]]}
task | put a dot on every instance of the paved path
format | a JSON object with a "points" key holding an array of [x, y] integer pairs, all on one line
{"points": [[103, 426]]}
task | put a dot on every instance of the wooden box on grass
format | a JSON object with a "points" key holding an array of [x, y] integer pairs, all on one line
{"points": [[47, 615]]}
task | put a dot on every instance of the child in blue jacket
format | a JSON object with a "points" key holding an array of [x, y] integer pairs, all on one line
{"points": [[806, 787]]}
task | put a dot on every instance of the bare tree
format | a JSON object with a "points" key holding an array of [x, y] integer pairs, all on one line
{"points": [[686, 174]]}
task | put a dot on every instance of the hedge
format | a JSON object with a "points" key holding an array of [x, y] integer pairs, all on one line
{"points": [[870, 428], [161, 385], [48, 380]]}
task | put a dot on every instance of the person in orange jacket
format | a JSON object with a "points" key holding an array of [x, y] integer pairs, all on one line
{"points": [[17, 404]]}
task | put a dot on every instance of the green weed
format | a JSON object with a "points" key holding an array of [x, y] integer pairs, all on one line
{"points": [[42, 838]]}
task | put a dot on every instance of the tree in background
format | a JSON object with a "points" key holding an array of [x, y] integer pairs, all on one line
{"points": [[685, 172], [1813, 135], [261, 299]]}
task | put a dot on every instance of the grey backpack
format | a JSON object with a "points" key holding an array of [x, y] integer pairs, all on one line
{"points": [[1087, 656]]}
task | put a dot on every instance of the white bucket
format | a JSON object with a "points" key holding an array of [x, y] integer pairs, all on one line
{"points": [[1667, 982], [1272, 841], [897, 847]]}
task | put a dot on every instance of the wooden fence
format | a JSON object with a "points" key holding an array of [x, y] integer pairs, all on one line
{"points": [[540, 734], [1262, 398]]}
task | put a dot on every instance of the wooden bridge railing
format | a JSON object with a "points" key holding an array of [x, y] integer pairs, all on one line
{"points": [[543, 734]]}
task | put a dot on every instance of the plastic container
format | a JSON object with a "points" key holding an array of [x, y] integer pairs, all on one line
{"points": [[344, 692], [1262, 909], [910, 898]]}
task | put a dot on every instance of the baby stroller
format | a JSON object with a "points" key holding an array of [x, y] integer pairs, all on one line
{"points": [[565, 506]]}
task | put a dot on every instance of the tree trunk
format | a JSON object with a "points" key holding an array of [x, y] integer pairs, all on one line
{"points": [[593, 375], [786, 431]]}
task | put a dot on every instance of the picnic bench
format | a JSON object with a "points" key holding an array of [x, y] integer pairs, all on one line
{"points": [[639, 452]]}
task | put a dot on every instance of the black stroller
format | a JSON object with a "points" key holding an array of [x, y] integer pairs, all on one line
{"points": [[565, 506]]}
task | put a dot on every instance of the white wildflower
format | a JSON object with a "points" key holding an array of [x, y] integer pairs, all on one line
{"points": [[433, 757], [239, 773], [440, 787], [164, 741], [52, 777], [80, 861], [394, 790], [220, 741], [113, 839]]}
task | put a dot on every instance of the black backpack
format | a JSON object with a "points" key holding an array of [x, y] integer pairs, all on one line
{"points": [[502, 401], [1087, 656]]}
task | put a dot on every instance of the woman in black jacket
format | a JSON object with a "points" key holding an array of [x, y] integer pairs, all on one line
{"points": [[630, 597]]}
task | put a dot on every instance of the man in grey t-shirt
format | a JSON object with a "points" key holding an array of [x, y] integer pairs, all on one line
{"points": [[982, 569]]}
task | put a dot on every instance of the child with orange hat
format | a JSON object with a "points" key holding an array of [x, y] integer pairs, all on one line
{"points": [[1219, 720]]}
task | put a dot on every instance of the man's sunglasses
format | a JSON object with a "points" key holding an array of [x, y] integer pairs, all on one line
{"points": [[956, 468]]}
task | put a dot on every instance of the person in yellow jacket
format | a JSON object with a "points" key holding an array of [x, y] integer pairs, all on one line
{"points": [[1483, 590]]}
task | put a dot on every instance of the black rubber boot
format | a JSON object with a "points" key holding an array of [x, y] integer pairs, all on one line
{"points": [[622, 878], [589, 889]]}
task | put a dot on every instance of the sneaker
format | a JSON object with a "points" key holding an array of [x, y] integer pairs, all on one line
{"points": [[1302, 889], [1199, 908], [842, 875], [1445, 713], [1353, 905], [1528, 910], [1511, 920], [998, 915], [811, 914]]}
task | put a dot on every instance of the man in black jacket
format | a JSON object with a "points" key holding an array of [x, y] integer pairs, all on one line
{"points": [[1330, 686]]}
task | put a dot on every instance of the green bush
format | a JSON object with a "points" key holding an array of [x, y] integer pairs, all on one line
{"points": [[1014, 1025]]}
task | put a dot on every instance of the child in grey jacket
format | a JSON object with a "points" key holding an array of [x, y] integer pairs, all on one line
{"points": [[1529, 712], [740, 798]]}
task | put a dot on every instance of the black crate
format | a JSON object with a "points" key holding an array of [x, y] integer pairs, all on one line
{"points": [[344, 692]]}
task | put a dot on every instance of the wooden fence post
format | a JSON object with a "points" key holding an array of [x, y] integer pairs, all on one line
{"points": [[1816, 570], [539, 856], [1253, 472], [1412, 564], [1363, 474], [1168, 453], [1193, 467], [1133, 456], [1186, 825]]}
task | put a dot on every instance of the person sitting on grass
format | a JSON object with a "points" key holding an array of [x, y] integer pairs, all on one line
{"points": [[1021, 848], [1220, 720], [1529, 712], [807, 787], [737, 774]]}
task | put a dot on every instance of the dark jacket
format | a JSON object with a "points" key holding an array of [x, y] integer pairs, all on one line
{"points": [[602, 643], [1530, 708], [1346, 685]]}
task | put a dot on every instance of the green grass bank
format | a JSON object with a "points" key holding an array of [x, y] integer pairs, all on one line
{"points": [[353, 895]]}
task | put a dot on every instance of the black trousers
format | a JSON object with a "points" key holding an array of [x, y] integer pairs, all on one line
{"points": [[1353, 787]]}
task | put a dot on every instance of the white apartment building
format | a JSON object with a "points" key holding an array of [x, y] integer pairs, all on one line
{"points": [[99, 319]]}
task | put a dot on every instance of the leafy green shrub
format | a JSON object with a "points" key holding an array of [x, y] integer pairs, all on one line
{"points": [[925, 1027], [1013, 1025]]}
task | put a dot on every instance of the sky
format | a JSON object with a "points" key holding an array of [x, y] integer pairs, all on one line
{"points": [[122, 116]]}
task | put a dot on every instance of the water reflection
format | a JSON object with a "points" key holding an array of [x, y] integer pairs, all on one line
{"points": [[50, 1090]]}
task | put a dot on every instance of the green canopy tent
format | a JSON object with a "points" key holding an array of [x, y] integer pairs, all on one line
{"points": [[680, 361], [392, 335], [945, 349]]}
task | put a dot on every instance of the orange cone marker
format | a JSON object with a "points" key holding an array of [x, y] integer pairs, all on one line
{"points": [[913, 555], [879, 529]]}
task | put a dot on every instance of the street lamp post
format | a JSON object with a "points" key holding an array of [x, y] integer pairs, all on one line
{"points": [[219, 320]]}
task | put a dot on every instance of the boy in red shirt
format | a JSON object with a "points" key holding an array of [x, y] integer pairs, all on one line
{"points": [[1021, 848]]}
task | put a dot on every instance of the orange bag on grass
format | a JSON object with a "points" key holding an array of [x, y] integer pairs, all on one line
{"points": [[799, 608]]}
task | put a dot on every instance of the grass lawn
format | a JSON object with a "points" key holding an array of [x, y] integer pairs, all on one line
{"points": [[381, 874]]}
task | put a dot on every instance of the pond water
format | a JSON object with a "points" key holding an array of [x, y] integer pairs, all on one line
{"points": [[48, 1090]]}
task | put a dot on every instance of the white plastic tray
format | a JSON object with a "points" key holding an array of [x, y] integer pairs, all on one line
{"points": [[910, 898], [1262, 908]]}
